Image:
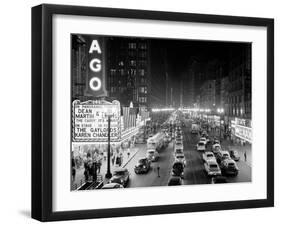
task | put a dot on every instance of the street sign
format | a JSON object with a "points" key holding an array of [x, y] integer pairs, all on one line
{"points": [[90, 121]]}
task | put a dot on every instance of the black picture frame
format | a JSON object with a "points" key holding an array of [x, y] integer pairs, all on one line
{"points": [[42, 107]]}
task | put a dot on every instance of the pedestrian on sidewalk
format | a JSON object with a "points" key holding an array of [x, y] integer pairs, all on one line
{"points": [[99, 165], [73, 172], [245, 156]]}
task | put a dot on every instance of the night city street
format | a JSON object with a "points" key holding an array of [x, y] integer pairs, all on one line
{"points": [[155, 112]]}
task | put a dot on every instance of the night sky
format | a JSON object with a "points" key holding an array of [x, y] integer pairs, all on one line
{"points": [[179, 54]]}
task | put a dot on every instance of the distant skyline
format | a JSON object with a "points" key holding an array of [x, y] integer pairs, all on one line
{"points": [[179, 55]]}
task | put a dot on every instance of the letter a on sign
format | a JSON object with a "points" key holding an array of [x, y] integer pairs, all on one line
{"points": [[95, 80], [95, 47]]}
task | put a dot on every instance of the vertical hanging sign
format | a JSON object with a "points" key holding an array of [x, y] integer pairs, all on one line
{"points": [[95, 82]]}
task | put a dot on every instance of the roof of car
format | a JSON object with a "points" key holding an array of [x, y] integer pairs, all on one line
{"points": [[229, 161], [110, 185], [143, 158], [149, 150], [212, 161], [209, 152], [120, 169]]}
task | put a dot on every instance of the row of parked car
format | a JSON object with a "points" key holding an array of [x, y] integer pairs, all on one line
{"points": [[217, 162], [177, 172]]}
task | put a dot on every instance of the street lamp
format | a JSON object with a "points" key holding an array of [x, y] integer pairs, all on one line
{"points": [[109, 114], [220, 112]]}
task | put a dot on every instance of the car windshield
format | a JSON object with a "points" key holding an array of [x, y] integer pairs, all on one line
{"points": [[180, 157], [209, 155], [231, 164], [119, 173], [178, 151], [201, 144], [213, 166], [141, 161], [225, 155]]}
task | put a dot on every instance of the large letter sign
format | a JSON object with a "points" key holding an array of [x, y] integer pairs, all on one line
{"points": [[95, 82]]}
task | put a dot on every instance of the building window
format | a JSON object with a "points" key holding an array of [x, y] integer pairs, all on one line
{"points": [[143, 80], [142, 99], [133, 72], [142, 63], [142, 45], [113, 71], [142, 54], [122, 72], [143, 89], [141, 72], [132, 45], [133, 63]]}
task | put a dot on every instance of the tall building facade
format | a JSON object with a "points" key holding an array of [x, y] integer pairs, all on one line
{"points": [[79, 67], [240, 89], [208, 94], [128, 70]]}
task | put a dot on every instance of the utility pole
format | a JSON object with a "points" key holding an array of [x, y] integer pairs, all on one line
{"points": [[167, 86], [171, 102], [181, 94]]}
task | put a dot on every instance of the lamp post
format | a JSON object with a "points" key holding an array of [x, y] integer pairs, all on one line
{"points": [[108, 173]]}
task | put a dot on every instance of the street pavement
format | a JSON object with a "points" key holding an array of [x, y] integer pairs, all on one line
{"points": [[194, 172]]}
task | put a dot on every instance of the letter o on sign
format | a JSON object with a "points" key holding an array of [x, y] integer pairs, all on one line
{"points": [[95, 83]]}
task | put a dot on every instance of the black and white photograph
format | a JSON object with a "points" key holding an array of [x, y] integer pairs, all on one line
{"points": [[151, 112]]}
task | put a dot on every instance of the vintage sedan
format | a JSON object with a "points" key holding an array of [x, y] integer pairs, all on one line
{"points": [[208, 155], [152, 155], [234, 155], [120, 176], [222, 155], [143, 166], [180, 158], [178, 169], [229, 167], [174, 181], [212, 168], [201, 146]]}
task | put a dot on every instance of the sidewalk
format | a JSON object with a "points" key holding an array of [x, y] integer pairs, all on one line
{"points": [[80, 178], [226, 144]]}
